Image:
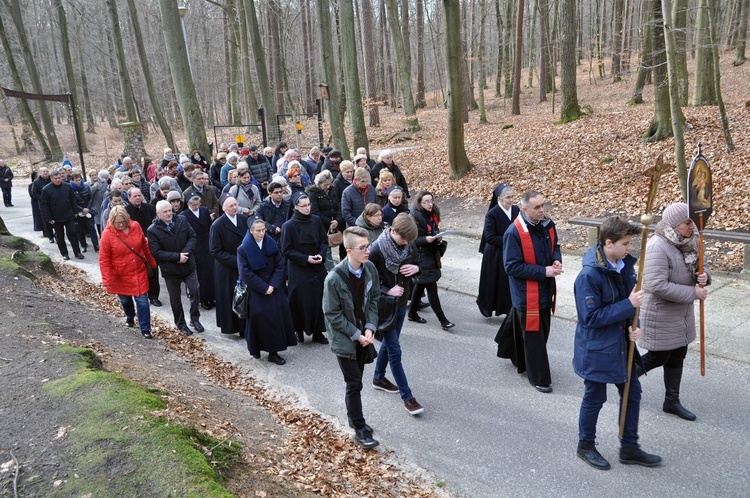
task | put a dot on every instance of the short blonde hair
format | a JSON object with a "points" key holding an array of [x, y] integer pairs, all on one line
{"points": [[353, 233], [118, 211]]}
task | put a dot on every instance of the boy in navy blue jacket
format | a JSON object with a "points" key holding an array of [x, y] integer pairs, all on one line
{"points": [[606, 300]]}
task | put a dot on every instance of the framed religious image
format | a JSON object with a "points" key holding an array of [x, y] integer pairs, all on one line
{"points": [[700, 190]]}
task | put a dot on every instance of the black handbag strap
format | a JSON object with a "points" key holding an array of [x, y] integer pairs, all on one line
{"points": [[145, 262]]}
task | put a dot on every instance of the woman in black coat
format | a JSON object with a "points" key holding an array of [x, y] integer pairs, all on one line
{"points": [[225, 237], [304, 244], [427, 216], [36, 213], [269, 324], [200, 219], [494, 289], [324, 204]]}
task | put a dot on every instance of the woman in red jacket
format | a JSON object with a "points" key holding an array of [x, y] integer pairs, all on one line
{"points": [[123, 259]]}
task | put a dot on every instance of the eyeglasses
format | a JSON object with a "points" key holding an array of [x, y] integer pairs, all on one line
{"points": [[363, 248], [426, 201], [120, 222]]}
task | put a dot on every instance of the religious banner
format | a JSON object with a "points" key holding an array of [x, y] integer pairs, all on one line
{"points": [[700, 190]]}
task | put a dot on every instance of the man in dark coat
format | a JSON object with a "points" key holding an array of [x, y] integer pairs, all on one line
{"points": [[494, 289], [261, 170], [59, 208], [304, 243], [200, 221], [261, 266], [36, 196], [275, 211], [606, 300], [225, 237], [332, 163], [171, 241], [532, 260], [144, 214], [205, 191], [6, 182]]}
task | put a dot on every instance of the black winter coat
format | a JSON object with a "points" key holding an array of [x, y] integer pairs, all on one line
{"points": [[224, 239], [274, 216], [325, 205], [427, 253], [6, 174], [58, 203], [400, 180], [166, 246], [494, 289], [388, 280], [201, 225], [144, 215]]}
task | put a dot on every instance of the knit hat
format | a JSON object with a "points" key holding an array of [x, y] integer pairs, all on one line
{"points": [[675, 214], [232, 155], [297, 196], [358, 157], [189, 196], [173, 195], [392, 188], [244, 152]]}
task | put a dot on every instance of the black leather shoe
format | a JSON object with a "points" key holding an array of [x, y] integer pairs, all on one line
{"points": [[146, 334], [544, 389], [206, 306], [85, 249], [320, 339], [130, 322], [634, 455], [416, 318], [447, 325], [255, 355], [587, 452], [676, 408], [79, 256], [275, 358], [66, 258], [197, 326], [300, 337], [372, 431], [185, 330], [363, 437], [155, 302], [423, 306]]}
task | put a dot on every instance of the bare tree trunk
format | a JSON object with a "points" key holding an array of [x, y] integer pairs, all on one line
{"points": [[227, 35], [351, 76], [516, 103], [508, 47], [149, 81], [406, 34], [704, 92], [28, 116], [69, 73], [717, 78], [739, 57], [251, 101], [617, 13], [276, 56], [644, 64], [90, 120], [480, 60], [569, 108], [335, 114], [420, 97], [679, 23], [234, 62], [544, 59], [411, 123], [661, 123], [122, 66], [192, 118], [368, 49], [36, 83], [264, 82], [459, 161], [500, 48], [307, 55]]}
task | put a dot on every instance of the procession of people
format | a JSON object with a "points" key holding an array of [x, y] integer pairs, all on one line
{"points": [[270, 228]]}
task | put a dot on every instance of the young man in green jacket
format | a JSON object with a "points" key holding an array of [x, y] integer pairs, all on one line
{"points": [[350, 305]]}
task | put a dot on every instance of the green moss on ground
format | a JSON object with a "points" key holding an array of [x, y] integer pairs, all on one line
{"points": [[124, 450]]}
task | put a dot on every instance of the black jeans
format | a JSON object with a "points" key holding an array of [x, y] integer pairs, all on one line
{"points": [[353, 370], [174, 288], [6, 196], [153, 285], [432, 297], [60, 227], [85, 226], [672, 358]]}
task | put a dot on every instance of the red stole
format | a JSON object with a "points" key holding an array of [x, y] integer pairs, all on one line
{"points": [[532, 286]]}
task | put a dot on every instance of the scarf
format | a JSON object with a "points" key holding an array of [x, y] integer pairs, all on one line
{"points": [[687, 245], [393, 254], [256, 257], [77, 187], [170, 157], [432, 221], [306, 227]]}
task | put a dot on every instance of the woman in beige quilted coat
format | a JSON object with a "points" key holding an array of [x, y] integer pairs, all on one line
{"points": [[671, 282]]}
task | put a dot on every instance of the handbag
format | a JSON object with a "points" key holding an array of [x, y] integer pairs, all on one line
{"points": [[335, 238], [149, 270], [387, 312], [240, 300], [442, 247], [366, 354]]}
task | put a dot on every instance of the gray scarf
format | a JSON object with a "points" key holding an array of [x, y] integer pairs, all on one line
{"points": [[393, 254], [687, 245]]}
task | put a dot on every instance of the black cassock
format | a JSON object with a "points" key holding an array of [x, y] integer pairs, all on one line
{"points": [[494, 289], [205, 262], [269, 324], [224, 240], [304, 236]]}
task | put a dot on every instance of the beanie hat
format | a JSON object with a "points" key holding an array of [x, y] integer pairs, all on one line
{"points": [[675, 214], [173, 196], [356, 158], [232, 155], [393, 188]]}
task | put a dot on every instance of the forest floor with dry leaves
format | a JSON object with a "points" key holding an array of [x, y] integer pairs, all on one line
{"points": [[590, 167]]}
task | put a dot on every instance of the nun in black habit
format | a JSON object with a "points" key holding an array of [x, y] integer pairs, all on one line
{"points": [[304, 243], [199, 218], [269, 323], [494, 289], [226, 236]]}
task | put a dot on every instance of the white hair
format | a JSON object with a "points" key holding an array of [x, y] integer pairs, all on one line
{"points": [[162, 204]]}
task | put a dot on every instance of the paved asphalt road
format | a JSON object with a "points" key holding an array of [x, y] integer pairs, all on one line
{"points": [[485, 431]]}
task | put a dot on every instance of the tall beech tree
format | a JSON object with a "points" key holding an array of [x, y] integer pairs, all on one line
{"points": [[411, 123], [351, 76]]}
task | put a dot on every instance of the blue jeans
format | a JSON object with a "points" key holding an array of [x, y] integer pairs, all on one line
{"points": [[595, 395], [141, 305], [390, 353]]}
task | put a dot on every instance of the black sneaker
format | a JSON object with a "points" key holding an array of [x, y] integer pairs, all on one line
{"points": [[79, 256], [130, 322], [385, 385], [85, 249], [367, 426], [185, 330], [197, 326], [363, 437], [634, 455], [146, 334], [587, 452], [155, 302], [66, 258]]}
